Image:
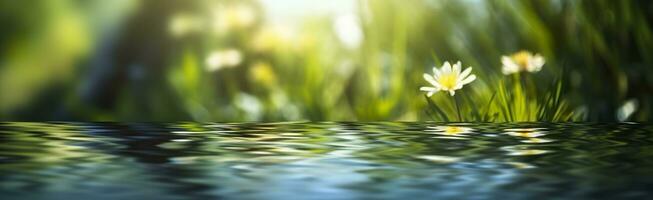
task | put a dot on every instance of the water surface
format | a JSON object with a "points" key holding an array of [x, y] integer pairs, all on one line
{"points": [[329, 160]]}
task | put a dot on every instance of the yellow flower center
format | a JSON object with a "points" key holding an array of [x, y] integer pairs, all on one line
{"points": [[521, 58], [453, 130], [524, 134], [536, 140], [448, 81]]}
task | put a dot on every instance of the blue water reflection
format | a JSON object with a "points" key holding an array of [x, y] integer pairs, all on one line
{"points": [[329, 160]]}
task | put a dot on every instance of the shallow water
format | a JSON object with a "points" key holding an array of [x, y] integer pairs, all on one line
{"points": [[331, 160]]}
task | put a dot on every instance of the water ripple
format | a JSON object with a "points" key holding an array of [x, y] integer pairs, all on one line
{"points": [[341, 160]]}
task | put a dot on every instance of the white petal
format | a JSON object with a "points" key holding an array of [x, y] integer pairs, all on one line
{"points": [[456, 68], [466, 72], [509, 66], [531, 68], [505, 60], [428, 89], [452, 92], [506, 70], [459, 85], [469, 79], [446, 68], [430, 79], [536, 63], [436, 72], [539, 59]]}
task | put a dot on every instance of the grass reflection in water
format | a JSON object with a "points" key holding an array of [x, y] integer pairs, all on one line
{"points": [[328, 159]]}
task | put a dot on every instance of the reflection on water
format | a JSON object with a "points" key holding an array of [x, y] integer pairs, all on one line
{"points": [[324, 160]]}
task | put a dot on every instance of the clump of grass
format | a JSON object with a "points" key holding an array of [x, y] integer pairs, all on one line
{"points": [[514, 97], [516, 103], [509, 103]]}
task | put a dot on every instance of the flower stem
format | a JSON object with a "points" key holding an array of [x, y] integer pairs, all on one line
{"points": [[457, 108], [526, 90]]}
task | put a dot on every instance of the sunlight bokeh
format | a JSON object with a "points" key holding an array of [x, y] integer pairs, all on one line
{"points": [[279, 60]]}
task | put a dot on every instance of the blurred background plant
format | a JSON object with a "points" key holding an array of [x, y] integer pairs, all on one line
{"points": [[274, 60]]}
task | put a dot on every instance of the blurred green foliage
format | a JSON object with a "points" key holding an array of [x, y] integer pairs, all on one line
{"points": [[205, 60]]}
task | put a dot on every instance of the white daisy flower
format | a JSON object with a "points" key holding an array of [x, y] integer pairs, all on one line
{"points": [[522, 61], [439, 159], [536, 140], [523, 150], [450, 130], [448, 78], [526, 132], [223, 58]]}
